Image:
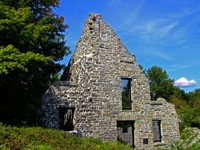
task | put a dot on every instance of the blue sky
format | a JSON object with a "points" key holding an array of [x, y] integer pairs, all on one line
{"points": [[165, 33]]}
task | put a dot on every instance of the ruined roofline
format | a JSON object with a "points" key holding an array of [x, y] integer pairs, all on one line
{"points": [[97, 23], [95, 32], [95, 14]]}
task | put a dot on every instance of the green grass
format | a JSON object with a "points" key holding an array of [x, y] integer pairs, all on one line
{"points": [[37, 138]]}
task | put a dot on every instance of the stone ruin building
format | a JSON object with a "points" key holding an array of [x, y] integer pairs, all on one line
{"points": [[104, 94]]}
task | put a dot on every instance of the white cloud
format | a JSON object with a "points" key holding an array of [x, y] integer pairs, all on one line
{"points": [[183, 82]]}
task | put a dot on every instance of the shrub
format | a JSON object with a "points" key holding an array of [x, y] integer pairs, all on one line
{"points": [[37, 138], [189, 141]]}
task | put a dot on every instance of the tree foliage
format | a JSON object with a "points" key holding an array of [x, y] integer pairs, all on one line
{"points": [[190, 116], [160, 84], [31, 41], [188, 108]]}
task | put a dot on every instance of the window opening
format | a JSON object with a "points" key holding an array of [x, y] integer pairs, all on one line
{"points": [[156, 130], [126, 93]]}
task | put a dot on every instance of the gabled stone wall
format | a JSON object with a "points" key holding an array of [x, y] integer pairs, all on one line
{"points": [[92, 85]]}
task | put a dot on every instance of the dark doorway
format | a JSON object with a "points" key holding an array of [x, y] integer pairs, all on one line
{"points": [[125, 131], [66, 115]]}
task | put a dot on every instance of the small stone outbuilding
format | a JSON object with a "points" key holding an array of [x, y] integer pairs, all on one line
{"points": [[104, 94]]}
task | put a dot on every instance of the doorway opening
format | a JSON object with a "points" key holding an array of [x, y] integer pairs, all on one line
{"points": [[66, 115], [125, 132]]}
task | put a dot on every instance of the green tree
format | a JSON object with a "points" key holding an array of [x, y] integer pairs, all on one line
{"points": [[160, 84], [193, 96], [190, 117], [31, 41]]}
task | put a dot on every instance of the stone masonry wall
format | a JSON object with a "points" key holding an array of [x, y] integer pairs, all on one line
{"points": [[92, 84]]}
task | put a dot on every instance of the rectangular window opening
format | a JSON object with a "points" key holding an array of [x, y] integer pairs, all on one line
{"points": [[126, 93], [125, 132], [157, 130], [66, 115]]}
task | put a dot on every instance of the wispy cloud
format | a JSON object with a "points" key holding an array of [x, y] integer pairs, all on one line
{"points": [[161, 55], [195, 63], [172, 68], [178, 66], [167, 27], [154, 29], [131, 16], [157, 53], [185, 11], [127, 12], [164, 30]]}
